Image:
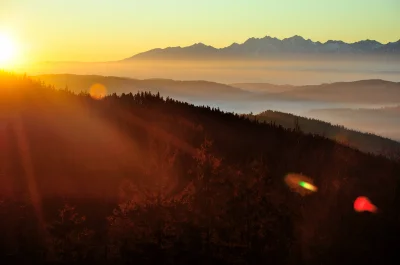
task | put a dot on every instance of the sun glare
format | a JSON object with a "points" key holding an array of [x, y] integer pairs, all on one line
{"points": [[7, 51]]}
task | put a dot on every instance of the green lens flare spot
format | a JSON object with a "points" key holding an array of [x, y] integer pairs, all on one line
{"points": [[306, 185]]}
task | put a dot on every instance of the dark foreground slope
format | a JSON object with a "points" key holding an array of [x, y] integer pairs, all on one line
{"points": [[156, 181], [365, 142]]}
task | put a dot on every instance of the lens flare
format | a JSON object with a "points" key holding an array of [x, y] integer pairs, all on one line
{"points": [[300, 184], [363, 204], [98, 91], [307, 186]]}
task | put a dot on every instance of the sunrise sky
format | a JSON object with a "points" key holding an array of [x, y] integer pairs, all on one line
{"points": [[101, 30]]}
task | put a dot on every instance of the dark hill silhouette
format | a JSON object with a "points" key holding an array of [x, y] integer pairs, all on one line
{"points": [[174, 88], [363, 141], [258, 48], [164, 182]]}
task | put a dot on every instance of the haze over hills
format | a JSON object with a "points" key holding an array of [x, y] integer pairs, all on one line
{"points": [[362, 92], [293, 61], [263, 87], [173, 88], [258, 97], [268, 46], [363, 141], [384, 121]]}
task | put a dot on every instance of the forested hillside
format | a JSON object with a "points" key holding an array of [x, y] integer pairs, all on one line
{"points": [[142, 179]]}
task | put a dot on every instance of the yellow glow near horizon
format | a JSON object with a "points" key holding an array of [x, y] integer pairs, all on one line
{"points": [[104, 31], [8, 51]]}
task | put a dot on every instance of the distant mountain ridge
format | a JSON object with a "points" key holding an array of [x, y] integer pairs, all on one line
{"points": [[269, 46]]}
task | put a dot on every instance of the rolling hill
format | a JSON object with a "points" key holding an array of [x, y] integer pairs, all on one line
{"points": [[386, 121], [263, 87], [172, 88], [367, 91], [362, 91], [363, 141]]}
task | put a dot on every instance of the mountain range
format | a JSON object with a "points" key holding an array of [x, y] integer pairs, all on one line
{"points": [[254, 48]]}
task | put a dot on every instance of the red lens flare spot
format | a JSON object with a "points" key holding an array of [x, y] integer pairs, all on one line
{"points": [[363, 204]]}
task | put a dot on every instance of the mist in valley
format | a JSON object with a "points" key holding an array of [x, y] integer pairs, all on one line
{"points": [[253, 86], [384, 121], [280, 72]]}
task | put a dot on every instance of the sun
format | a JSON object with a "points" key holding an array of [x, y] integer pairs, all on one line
{"points": [[7, 51]]}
